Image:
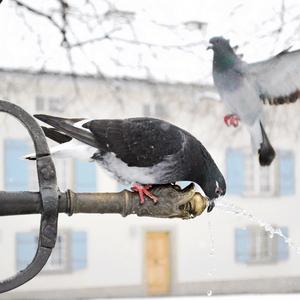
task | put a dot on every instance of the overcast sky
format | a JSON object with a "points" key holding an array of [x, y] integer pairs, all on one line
{"points": [[31, 43]]}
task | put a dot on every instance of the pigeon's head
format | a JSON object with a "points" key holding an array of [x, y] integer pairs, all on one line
{"points": [[214, 188], [219, 44]]}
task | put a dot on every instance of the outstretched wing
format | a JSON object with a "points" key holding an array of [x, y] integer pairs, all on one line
{"points": [[278, 78], [140, 142]]}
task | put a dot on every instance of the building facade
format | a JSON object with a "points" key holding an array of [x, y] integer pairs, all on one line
{"points": [[231, 250]]}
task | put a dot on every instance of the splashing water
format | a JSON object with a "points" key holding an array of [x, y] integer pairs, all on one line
{"points": [[233, 209]]}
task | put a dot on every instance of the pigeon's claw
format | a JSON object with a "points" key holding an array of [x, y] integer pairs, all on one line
{"points": [[232, 120], [144, 190]]}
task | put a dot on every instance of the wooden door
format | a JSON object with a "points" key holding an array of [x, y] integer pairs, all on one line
{"points": [[158, 262]]}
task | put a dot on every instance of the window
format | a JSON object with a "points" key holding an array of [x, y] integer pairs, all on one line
{"points": [[78, 250], [52, 104], [146, 110], [26, 246], [259, 180], [58, 259], [244, 175], [235, 171], [85, 176], [40, 103], [15, 168], [69, 253], [160, 110], [253, 245], [55, 104], [287, 173], [156, 110]]}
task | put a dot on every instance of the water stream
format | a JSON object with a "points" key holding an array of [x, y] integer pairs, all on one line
{"points": [[212, 251], [231, 208]]}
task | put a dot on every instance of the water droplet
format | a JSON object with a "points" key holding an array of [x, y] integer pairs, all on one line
{"points": [[209, 293], [212, 251]]}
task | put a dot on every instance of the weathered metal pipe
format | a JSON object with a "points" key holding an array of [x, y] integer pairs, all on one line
{"points": [[174, 202]]}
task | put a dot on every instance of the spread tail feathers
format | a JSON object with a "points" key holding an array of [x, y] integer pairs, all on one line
{"points": [[266, 152]]}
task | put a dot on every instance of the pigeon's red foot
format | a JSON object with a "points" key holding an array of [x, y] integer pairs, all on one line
{"points": [[232, 120], [144, 190]]}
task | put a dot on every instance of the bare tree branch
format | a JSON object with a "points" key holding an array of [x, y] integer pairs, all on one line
{"points": [[41, 14], [171, 46], [98, 39], [103, 16]]}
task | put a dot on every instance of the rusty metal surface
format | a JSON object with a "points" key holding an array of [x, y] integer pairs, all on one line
{"points": [[48, 197]]}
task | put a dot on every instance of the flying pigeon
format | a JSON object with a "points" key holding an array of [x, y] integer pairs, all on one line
{"points": [[244, 88], [140, 151]]}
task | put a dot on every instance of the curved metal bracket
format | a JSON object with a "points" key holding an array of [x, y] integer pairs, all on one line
{"points": [[49, 196]]}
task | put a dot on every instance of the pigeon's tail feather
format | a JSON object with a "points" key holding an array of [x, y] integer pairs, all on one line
{"points": [[55, 135], [266, 151], [72, 149], [65, 126], [256, 136], [261, 144]]}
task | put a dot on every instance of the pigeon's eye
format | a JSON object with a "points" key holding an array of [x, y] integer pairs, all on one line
{"points": [[218, 191]]}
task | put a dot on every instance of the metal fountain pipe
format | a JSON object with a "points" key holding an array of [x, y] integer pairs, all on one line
{"points": [[174, 203]]}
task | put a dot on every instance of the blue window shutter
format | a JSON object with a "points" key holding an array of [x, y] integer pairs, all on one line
{"points": [[78, 250], [242, 245], [282, 246], [85, 176], [16, 168], [287, 173], [235, 171], [26, 246]]}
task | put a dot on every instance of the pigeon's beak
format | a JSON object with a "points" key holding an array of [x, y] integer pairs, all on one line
{"points": [[209, 47], [211, 205]]}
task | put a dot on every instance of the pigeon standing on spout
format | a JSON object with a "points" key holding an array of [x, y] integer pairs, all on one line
{"points": [[140, 151], [244, 88]]}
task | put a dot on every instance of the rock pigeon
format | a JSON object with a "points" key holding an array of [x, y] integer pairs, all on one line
{"points": [[244, 88], [140, 151]]}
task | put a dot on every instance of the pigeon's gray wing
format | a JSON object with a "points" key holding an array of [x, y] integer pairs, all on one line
{"points": [[278, 78], [139, 142]]}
